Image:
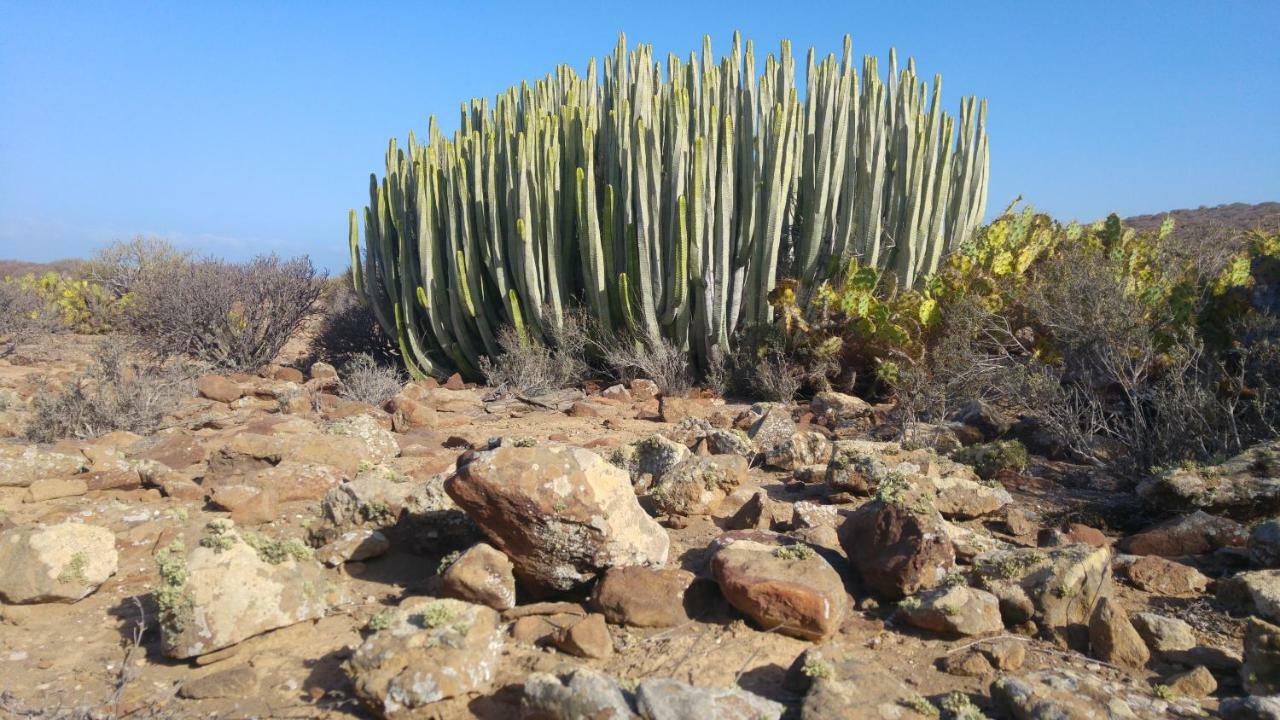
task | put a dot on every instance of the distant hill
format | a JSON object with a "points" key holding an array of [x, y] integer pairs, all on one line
{"points": [[1214, 222]]}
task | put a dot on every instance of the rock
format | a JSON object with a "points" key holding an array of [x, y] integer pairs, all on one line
{"points": [[588, 409], [1192, 534], [1164, 634], [957, 611], [967, 663], [616, 393], [586, 637], [380, 443], [839, 409], [643, 389], [561, 514], [643, 597], [1020, 521], [1068, 693], [218, 388], [20, 465], [248, 504], [802, 448], [240, 681], [430, 650], [985, 419], [1245, 487], [856, 466], [455, 382], [1005, 654], [807, 515], [697, 485], [583, 694], [1165, 577], [1197, 682], [665, 699], [841, 685], [655, 456], [44, 489], [419, 515], [1056, 588], [1264, 543], [896, 550], [782, 585], [773, 427], [760, 512], [1250, 708], [673, 409], [959, 496], [354, 546], [1253, 593], [729, 442], [322, 371], [482, 575], [939, 437], [1261, 670], [1113, 638], [224, 590], [55, 563]]}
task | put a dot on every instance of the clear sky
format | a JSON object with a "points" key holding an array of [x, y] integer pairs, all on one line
{"points": [[244, 127]]}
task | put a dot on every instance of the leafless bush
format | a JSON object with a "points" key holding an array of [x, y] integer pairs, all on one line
{"points": [[122, 265], [348, 328], [533, 367], [627, 358], [364, 380], [235, 316], [118, 393], [23, 315]]}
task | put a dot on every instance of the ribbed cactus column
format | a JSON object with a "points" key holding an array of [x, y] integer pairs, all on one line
{"points": [[667, 199]]}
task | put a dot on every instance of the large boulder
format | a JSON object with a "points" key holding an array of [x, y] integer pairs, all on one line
{"points": [[55, 563], [429, 650], [562, 514], [21, 464], [898, 549], [232, 586], [1056, 587], [782, 584], [1245, 487]]}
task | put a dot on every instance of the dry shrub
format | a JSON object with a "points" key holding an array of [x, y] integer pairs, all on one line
{"points": [[364, 380], [23, 315], [117, 393], [626, 358], [122, 265], [348, 328], [231, 315], [533, 367]]}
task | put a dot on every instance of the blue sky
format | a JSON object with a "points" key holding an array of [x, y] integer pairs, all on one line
{"points": [[245, 127]]}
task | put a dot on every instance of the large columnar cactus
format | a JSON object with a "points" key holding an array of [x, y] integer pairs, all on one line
{"points": [[666, 202]]}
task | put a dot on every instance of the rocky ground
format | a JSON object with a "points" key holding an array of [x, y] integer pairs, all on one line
{"points": [[276, 551]]}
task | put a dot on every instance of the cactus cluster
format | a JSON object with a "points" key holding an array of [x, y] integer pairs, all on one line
{"points": [[666, 202]]}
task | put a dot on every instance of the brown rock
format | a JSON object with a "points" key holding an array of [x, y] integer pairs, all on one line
{"points": [[589, 409], [218, 388], [643, 597], [643, 390], [481, 575], [323, 371], [240, 681], [1197, 682], [248, 504], [54, 488], [617, 393], [956, 610], [895, 549], [1165, 577], [781, 584], [1113, 638], [588, 637], [1261, 669], [1193, 534], [697, 485], [455, 383], [288, 374], [968, 663]]}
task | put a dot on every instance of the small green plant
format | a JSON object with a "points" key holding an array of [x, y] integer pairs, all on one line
{"points": [[893, 488], [175, 606], [909, 604], [1164, 692], [816, 668], [379, 622], [988, 459], [434, 615], [955, 579], [799, 551], [377, 513], [217, 536], [274, 551], [523, 441], [73, 571], [447, 561], [921, 706], [1011, 565], [958, 706]]}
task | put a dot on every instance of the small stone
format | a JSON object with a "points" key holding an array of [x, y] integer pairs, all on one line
{"points": [[354, 546], [248, 504], [240, 681], [643, 389], [1113, 638], [617, 393], [1164, 634], [588, 637], [956, 611], [1005, 654], [969, 663], [1165, 577], [455, 382], [482, 574], [55, 488], [323, 371]]}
